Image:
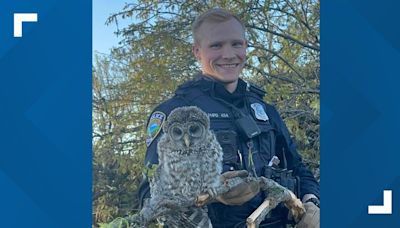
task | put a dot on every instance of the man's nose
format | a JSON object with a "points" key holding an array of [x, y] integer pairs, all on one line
{"points": [[228, 53]]}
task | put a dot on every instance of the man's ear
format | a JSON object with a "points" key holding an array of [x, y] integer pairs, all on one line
{"points": [[196, 51]]}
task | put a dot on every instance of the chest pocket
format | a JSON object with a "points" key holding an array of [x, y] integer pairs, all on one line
{"points": [[228, 139], [264, 145]]}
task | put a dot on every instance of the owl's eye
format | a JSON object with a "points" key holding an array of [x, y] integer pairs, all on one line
{"points": [[195, 130], [176, 132]]}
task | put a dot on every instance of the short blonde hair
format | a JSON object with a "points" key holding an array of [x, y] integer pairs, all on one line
{"points": [[216, 15]]}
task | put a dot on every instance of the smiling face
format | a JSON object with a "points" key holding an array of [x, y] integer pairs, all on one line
{"points": [[221, 50]]}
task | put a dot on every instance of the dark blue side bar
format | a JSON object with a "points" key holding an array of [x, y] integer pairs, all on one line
{"points": [[360, 112], [45, 115]]}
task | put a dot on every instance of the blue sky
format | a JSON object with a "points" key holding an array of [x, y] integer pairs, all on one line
{"points": [[103, 36]]}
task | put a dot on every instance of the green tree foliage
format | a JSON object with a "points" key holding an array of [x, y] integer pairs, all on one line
{"points": [[155, 57], [117, 141]]}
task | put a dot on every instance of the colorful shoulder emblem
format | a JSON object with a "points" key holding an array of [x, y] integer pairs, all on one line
{"points": [[259, 111], [154, 127]]}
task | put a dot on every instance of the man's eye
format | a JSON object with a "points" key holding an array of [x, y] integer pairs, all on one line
{"points": [[215, 45], [237, 44]]}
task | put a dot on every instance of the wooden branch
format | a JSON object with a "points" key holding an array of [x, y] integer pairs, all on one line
{"points": [[286, 36], [276, 194], [258, 215], [277, 76], [280, 57]]}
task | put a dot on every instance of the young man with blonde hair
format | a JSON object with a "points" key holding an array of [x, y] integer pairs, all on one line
{"points": [[234, 107]]}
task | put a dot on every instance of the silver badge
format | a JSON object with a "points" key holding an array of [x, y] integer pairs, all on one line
{"points": [[259, 111]]}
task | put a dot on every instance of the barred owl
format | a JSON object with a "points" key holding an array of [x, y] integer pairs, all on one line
{"points": [[190, 163]]}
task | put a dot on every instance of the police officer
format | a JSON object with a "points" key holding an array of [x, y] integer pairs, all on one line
{"points": [[250, 131]]}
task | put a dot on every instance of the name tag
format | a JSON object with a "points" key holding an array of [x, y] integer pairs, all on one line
{"points": [[218, 115]]}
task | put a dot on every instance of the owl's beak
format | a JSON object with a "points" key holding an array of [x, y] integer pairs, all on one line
{"points": [[186, 139]]}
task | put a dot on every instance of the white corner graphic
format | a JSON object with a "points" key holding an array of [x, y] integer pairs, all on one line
{"points": [[22, 17], [386, 208]]}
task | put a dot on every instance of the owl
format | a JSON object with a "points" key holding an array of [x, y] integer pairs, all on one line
{"points": [[190, 163]]}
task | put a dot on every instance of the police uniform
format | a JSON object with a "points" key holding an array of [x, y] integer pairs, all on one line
{"points": [[224, 109]]}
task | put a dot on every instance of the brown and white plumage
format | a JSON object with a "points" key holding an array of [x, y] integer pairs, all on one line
{"points": [[190, 163]]}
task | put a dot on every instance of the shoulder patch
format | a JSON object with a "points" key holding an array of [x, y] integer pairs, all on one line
{"points": [[154, 126]]}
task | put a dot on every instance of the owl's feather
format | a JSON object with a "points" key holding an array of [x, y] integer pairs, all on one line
{"points": [[189, 165]]}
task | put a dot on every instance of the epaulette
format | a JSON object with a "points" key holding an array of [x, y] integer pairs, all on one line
{"points": [[184, 87], [189, 85], [255, 89]]}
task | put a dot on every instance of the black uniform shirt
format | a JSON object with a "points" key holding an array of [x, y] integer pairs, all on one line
{"points": [[274, 139]]}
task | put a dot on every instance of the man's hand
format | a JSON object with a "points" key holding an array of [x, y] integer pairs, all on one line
{"points": [[311, 218], [241, 193]]}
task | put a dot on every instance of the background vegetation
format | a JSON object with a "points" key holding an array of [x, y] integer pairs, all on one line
{"points": [[154, 57]]}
